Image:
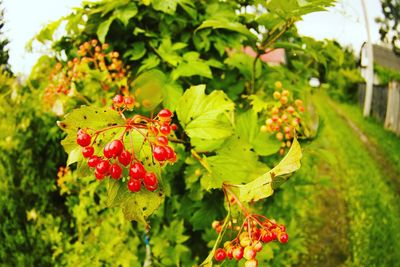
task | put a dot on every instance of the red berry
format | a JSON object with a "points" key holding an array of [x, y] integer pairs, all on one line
{"points": [[220, 254], [134, 185], [237, 253], [87, 151], [283, 238], [125, 158], [154, 130], [115, 147], [170, 152], [129, 102], [150, 179], [165, 129], [267, 237], [162, 140], [282, 227], [99, 176], [103, 166], [93, 161], [107, 151], [174, 127], [159, 153], [115, 171], [137, 171], [229, 252], [152, 187], [83, 138], [165, 113], [118, 100]]}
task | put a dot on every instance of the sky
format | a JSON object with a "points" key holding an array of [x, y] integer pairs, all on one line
{"points": [[344, 22]]}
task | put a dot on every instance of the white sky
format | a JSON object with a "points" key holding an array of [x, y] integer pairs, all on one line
{"points": [[25, 18]]}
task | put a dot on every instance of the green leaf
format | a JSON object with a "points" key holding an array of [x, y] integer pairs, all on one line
{"points": [[171, 92], [137, 51], [103, 28], [149, 63], [205, 117], [257, 103], [83, 118], [126, 13], [234, 163], [264, 186], [135, 206], [247, 127], [227, 25], [192, 65]]}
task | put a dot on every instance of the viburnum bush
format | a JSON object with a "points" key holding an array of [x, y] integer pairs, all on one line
{"points": [[161, 127]]}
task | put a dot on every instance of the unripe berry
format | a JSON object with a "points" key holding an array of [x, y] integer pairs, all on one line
{"points": [[268, 122], [83, 139], [249, 253], [285, 93], [298, 102], [134, 185], [220, 254], [125, 158], [301, 109], [237, 253], [257, 246], [251, 263], [115, 171], [290, 109], [87, 151], [275, 110], [275, 118], [283, 100], [278, 85], [279, 136], [277, 95], [215, 224], [263, 129], [137, 171], [129, 102], [284, 117], [246, 241]]}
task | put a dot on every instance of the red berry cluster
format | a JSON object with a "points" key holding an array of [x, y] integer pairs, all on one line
{"points": [[116, 156], [284, 118], [92, 56], [255, 231]]}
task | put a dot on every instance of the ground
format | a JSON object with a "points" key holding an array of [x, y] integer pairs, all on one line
{"points": [[353, 217]]}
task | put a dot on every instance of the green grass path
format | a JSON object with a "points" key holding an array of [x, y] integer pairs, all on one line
{"points": [[355, 221]]}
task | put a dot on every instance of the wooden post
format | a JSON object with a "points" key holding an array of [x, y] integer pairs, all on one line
{"points": [[370, 67]]}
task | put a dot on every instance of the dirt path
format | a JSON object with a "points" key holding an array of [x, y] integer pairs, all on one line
{"points": [[362, 195], [373, 150]]}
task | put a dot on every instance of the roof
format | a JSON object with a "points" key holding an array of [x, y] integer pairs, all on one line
{"points": [[386, 58]]}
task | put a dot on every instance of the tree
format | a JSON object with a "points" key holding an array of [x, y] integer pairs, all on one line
{"points": [[390, 24], [4, 56]]}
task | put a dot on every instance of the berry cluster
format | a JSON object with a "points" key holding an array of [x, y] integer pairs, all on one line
{"points": [[284, 118], [255, 231], [92, 56], [116, 156]]}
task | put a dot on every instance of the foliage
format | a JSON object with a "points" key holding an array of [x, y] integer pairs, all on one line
{"points": [[389, 24], [183, 55], [4, 56], [386, 75]]}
